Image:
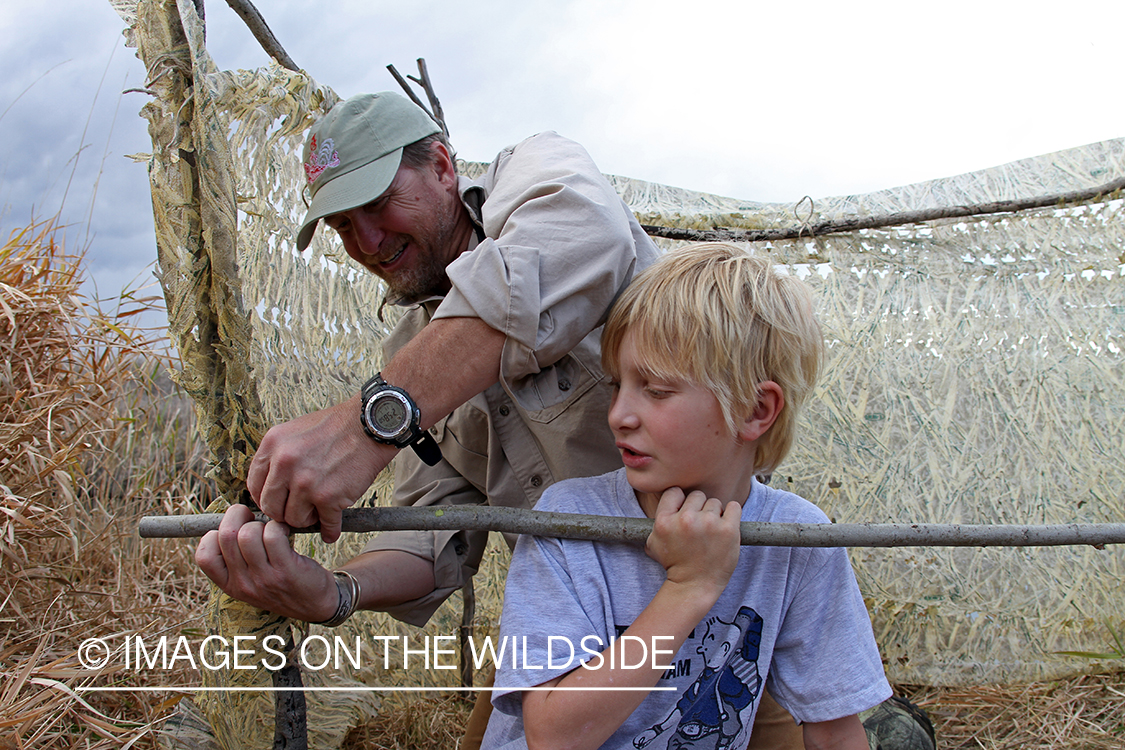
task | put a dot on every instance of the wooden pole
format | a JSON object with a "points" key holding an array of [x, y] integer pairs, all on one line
{"points": [[636, 530], [261, 31], [887, 220]]}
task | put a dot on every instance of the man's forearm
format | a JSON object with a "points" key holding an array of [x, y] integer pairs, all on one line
{"points": [[445, 364], [390, 577]]}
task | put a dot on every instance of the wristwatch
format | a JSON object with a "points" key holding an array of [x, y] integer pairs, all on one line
{"points": [[390, 416]]}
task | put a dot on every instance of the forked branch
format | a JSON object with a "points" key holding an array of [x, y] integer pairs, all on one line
{"points": [[434, 110]]}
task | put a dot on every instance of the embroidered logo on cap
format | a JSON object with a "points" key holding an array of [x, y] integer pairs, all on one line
{"points": [[321, 159]]}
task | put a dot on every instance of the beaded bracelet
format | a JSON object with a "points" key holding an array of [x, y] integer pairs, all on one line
{"points": [[347, 585]]}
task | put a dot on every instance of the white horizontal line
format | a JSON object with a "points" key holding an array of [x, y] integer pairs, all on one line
{"points": [[363, 689]]}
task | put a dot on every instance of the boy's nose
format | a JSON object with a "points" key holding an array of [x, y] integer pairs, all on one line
{"points": [[621, 415]]}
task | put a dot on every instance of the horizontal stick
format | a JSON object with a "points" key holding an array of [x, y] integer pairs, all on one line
{"points": [[852, 224], [636, 530]]}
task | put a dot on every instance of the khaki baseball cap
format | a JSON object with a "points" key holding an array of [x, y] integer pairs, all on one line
{"points": [[353, 153]]}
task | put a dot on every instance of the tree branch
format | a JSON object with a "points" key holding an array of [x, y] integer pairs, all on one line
{"points": [[261, 31], [435, 111], [636, 530], [886, 220]]}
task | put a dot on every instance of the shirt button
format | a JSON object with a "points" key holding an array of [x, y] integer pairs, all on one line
{"points": [[504, 410], [536, 480], [564, 384]]}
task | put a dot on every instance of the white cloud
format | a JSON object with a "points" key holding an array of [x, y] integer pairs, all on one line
{"points": [[763, 101]]}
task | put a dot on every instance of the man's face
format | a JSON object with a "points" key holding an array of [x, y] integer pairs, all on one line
{"points": [[409, 234]]}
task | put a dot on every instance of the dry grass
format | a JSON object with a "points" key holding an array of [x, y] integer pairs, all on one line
{"points": [[427, 723], [1082, 713], [92, 436]]}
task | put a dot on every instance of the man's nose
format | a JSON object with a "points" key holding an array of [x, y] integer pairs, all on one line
{"points": [[369, 233]]}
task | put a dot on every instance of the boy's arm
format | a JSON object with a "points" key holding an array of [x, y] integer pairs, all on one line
{"points": [[839, 734], [697, 542]]}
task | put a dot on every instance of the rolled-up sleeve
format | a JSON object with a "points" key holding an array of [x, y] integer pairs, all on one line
{"points": [[565, 245], [455, 555]]}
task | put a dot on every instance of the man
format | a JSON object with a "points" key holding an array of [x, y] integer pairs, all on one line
{"points": [[492, 376]]}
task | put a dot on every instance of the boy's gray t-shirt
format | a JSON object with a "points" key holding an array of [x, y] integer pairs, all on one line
{"points": [[793, 617]]}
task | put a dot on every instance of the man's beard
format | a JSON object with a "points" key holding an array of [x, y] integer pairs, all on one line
{"points": [[427, 277]]}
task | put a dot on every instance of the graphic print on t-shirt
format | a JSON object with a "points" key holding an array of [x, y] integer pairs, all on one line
{"points": [[716, 707]]}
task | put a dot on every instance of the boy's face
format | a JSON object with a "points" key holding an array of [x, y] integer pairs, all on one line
{"points": [[672, 434]]}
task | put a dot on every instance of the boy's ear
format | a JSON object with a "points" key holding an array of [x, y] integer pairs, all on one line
{"points": [[771, 400]]}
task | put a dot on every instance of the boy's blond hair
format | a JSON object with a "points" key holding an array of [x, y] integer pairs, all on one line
{"points": [[725, 320]]}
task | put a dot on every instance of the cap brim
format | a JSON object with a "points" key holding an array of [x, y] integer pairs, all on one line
{"points": [[347, 191]]}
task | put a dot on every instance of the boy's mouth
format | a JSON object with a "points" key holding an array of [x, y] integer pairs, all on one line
{"points": [[632, 458]]}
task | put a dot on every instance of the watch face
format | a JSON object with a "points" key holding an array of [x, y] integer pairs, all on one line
{"points": [[389, 415]]}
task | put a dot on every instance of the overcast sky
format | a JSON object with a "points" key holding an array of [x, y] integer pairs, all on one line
{"points": [[759, 101]]}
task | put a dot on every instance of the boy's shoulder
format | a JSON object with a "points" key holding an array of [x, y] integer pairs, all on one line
{"points": [[604, 495], [610, 495], [773, 505]]}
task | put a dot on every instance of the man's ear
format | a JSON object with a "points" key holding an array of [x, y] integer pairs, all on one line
{"points": [[771, 400], [442, 163]]}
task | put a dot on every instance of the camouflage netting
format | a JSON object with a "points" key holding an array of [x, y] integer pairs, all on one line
{"points": [[975, 369]]}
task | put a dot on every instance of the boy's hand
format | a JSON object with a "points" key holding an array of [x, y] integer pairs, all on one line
{"points": [[696, 539]]}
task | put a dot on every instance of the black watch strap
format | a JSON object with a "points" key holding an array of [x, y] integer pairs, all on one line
{"points": [[420, 440], [368, 389], [427, 448]]}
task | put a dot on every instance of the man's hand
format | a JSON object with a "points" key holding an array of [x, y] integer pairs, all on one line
{"points": [[253, 562], [310, 469], [696, 539]]}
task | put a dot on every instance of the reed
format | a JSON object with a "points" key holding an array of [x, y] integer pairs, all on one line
{"points": [[92, 436]]}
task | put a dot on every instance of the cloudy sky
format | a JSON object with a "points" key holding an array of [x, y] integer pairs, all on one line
{"points": [[760, 101]]}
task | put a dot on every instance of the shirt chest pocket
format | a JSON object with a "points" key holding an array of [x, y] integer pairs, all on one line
{"points": [[466, 430], [553, 390]]}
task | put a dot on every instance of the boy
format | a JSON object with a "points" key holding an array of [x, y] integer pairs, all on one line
{"points": [[711, 354]]}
